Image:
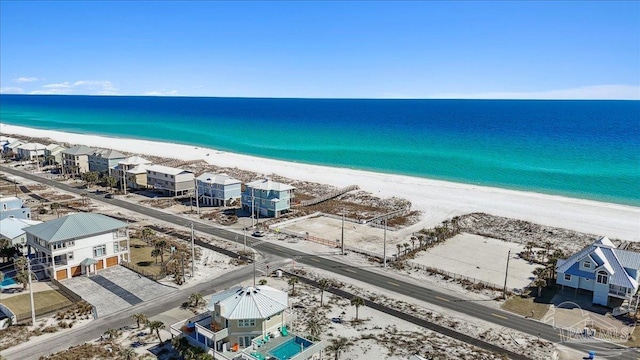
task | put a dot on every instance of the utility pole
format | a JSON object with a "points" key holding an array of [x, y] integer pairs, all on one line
{"points": [[195, 181], [342, 231], [384, 250], [253, 203], [33, 307], [254, 267], [506, 273], [124, 180], [193, 253], [244, 235]]}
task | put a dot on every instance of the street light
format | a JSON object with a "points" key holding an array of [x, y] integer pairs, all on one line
{"points": [[384, 250], [193, 253], [33, 308]]}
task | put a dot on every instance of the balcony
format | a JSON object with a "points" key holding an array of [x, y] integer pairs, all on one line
{"points": [[620, 292]]}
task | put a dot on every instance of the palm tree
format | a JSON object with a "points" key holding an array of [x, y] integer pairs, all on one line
{"points": [[129, 353], [357, 302], [406, 247], [540, 283], [262, 282], [160, 245], [1, 276], [111, 333], [314, 327], [195, 298], [323, 284], [528, 248], [413, 243], [155, 253], [20, 263], [110, 181], [147, 233], [338, 346], [85, 198], [293, 281], [547, 245], [55, 207], [22, 277], [399, 249], [156, 326], [139, 318]]}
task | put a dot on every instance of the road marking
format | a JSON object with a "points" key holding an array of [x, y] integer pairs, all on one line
{"points": [[314, 259], [349, 270], [441, 298], [500, 316], [394, 284]]}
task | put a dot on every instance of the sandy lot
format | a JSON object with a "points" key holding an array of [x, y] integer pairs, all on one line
{"points": [[480, 257]]}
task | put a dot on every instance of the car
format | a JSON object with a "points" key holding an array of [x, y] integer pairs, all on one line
{"points": [[109, 196], [258, 233]]}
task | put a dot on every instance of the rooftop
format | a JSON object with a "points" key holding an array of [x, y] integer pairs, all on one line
{"points": [[79, 150], [134, 160], [109, 154], [222, 179], [11, 228], [167, 170], [260, 302], [32, 146], [267, 184], [74, 226]]}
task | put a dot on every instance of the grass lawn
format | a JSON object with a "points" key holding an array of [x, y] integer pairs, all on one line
{"points": [[45, 302], [141, 256], [635, 338], [525, 305]]}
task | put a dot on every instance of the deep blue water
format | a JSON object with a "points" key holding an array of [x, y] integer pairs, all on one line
{"points": [[584, 149]]}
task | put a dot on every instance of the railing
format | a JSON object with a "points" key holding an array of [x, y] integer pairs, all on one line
{"points": [[306, 353], [618, 292], [141, 271], [461, 278]]}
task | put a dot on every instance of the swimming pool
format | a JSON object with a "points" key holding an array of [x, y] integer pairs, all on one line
{"points": [[290, 348], [7, 282]]}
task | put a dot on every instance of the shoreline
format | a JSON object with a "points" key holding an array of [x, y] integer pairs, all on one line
{"points": [[437, 199]]}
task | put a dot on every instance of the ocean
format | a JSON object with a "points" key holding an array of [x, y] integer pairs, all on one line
{"points": [[582, 149]]}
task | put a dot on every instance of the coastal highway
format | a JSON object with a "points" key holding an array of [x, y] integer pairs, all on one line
{"points": [[502, 318]]}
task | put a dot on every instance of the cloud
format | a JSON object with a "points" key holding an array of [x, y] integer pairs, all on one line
{"points": [[161, 93], [597, 92], [21, 80], [82, 87], [11, 90]]}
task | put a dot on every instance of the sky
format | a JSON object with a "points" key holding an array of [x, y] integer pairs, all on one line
{"points": [[305, 49]]}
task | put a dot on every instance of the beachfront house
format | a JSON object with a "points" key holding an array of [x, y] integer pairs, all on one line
{"points": [[53, 154], [11, 149], [603, 270], [218, 189], [247, 323], [12, 229], [101, 160], [30, 151], [267, 198], [75, 160], [13, 207], [78, 244], [131, 172], [4, 142], [171, 181]]}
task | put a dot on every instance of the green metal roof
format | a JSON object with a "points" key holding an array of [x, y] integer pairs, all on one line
{"points": [[74, 226]]}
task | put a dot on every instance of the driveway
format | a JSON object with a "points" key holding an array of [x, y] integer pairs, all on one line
{"points": [[115, 288]]}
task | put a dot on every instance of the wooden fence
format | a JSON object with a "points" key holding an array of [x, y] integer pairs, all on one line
{"points": [[477, 283], [140, 270]]}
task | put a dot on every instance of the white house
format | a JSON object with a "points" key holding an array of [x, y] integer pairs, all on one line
{"points": [[12, 147], [53, 154], [31, 151], [12, 229], [102, 160], [267, 198], [78, 244], [217, 189], [602, 269], [172, 181], [247, 323]]}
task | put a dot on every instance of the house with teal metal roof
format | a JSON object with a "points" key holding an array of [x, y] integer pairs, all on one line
{"points": [[604, 270]]}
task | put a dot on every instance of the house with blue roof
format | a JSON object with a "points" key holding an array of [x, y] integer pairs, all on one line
{"points": [[603, 269]]}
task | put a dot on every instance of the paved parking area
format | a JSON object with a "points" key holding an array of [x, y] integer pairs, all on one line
{"points": [[115, 289]]}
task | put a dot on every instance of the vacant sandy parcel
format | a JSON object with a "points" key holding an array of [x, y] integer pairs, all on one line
{"points": [[480, 257]]}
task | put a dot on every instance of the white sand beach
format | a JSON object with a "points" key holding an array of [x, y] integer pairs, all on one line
{"points": [[438, 200]]}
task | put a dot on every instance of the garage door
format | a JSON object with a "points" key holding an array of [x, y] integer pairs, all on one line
{"points": [[61, 274], [99, 265], [76, 271], [112, 261]]}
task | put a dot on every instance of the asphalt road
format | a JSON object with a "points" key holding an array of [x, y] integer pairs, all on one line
{"points": [[505, 319]]}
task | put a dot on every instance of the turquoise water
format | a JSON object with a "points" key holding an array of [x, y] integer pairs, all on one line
{"points": [[7, 281], [290, 348], [583, 149]]}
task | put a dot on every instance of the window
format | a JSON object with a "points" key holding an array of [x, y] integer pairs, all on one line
{"points": [[100, 250], [4, 206], [116, 247], [115, 234], [587, 264], [567, 277], [70, 256], [247, 322], [602, 278]]}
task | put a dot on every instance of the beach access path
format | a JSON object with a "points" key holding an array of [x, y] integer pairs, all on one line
{"points": [[461, 305]]}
